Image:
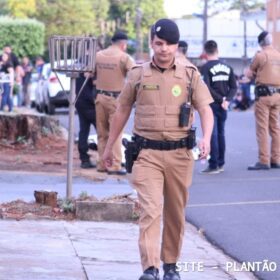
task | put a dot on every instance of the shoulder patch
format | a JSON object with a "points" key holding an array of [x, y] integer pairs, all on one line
{"points": [[191, 66], [137, 66]]}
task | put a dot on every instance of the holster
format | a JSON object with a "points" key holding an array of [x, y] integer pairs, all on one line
{"points": [[132, 150]]}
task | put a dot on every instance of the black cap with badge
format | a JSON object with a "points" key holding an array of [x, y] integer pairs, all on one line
{"points": [[167, 30]]}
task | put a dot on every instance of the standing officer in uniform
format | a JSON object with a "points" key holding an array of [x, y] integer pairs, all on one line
{"points": [[265, 68], [162, 172], [86, 111], [220, 79], [181, 54], [112, 65]]}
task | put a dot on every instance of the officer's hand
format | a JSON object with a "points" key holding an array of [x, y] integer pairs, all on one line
{"points": [[107, 157], [204, 148], [225, 105]]}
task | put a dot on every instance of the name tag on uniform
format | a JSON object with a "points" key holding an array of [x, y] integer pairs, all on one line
{"points": [[151, 87]]}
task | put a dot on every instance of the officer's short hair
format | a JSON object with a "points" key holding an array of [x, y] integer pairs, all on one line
{"points": [[210, 47], [264, 39], [183, 46], [119, 36]]}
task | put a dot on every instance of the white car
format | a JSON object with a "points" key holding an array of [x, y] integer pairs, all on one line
{"points": [[32, 89], [49, 93]]}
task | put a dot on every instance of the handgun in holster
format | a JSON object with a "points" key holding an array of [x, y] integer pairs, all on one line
{"points": [[132, 150]]}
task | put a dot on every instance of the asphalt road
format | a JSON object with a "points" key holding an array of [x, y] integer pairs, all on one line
{"points": [[238, 210]]}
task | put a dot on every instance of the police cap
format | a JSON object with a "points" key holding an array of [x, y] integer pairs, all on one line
{"points": [[167, 30], [262, 36], [119, 36]]}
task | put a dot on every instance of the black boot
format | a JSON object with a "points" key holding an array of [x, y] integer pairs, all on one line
{"points": [[258, 166], [150, 274], [275, 165], [170, 272], [87, 164]]}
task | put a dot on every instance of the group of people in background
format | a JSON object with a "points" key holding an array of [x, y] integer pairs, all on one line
{"points": [[229, 92], [15, 79], [97, 102]]}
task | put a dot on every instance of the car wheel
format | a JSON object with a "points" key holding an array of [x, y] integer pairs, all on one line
{"points": [[38, 108], [33, 104]]}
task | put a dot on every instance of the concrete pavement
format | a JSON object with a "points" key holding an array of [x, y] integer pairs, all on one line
{"points": [[96, 251], [35, 250]]}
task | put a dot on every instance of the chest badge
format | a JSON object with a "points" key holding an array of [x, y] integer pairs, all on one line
{"points": [[150, 87], [176, 90]]}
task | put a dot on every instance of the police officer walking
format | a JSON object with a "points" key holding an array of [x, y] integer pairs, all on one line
{"points": [[162, 172], [265, 67], [112, 65], [220, 79], [181, 54]]}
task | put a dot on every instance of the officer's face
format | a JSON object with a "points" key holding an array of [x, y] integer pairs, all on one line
{"points": [[164, 52]]}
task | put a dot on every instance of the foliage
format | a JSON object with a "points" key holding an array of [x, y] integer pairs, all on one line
{"points": [[4, 10], [21, 9], [216, 6], [124, 13], [83, 195], [88, 17], [26, 36], [247, 5], [67, 205], [66, 17]]}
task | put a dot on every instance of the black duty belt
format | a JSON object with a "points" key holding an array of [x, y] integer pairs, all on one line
{"points": [[265, 90], [114, 94], [145, 143]]}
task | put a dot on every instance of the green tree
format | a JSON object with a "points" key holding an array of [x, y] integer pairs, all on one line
{"points": [[26, 36], [100, 8], [135, 17], [217, 6], [4, 10], [124, 13], [21, 9], [66, 17]]}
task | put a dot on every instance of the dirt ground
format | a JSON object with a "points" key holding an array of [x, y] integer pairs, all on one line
{"points": [[48, 156]]}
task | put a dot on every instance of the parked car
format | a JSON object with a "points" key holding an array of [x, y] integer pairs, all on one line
{"points": [[49, 93]]}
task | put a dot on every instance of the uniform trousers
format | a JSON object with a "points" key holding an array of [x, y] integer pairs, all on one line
{"points": [[161, 179], [105, 107], [267, 111]]}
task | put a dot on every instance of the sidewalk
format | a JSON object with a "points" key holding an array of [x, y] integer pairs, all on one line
{"points": [[94, 250]]}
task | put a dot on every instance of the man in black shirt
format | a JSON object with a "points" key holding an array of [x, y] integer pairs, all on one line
{"points": [[221, 82], [86, 111]]}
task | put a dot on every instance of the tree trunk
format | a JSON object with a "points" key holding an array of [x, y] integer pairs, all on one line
{"points": [[26, 128]]}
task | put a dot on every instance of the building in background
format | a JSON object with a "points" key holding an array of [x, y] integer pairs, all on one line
{"points": [[230, 31], [273, 21]]}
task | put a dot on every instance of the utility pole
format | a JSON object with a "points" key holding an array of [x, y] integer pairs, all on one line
{"points": [[244, 12], [205, 21], [139, 48]]}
